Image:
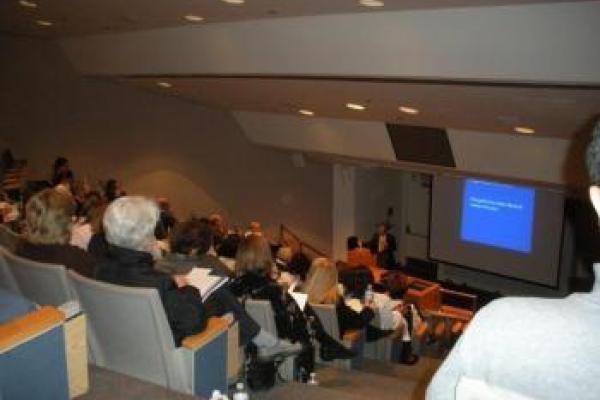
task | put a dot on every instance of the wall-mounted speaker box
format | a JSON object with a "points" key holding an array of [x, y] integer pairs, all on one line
{"points": [[422, 145]]}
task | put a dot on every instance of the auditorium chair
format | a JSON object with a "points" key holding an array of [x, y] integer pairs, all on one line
{"points": [[354, 339], [42, 354], [44, 284], [8, 238], [262, 312], [129, 334], [7, 280]]}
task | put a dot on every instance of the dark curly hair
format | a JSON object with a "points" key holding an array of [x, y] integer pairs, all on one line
{"points": [[592, 157]]}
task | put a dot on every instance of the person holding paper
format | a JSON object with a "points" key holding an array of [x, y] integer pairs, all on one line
{"points": [[256, 279], [129, 224]]}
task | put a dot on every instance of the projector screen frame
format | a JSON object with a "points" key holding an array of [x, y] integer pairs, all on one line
{"points": [[555, 286]]}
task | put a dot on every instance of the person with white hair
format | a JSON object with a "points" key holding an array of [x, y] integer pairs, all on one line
{"points": [[129, 224]]}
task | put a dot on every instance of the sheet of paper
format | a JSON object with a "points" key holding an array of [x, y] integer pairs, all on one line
{"points": [[202, 280], [300, 299]]}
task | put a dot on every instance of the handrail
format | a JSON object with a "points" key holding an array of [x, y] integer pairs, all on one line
{"points": [[284, 230]]}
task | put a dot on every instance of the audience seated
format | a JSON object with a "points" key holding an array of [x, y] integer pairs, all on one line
{"points": [[190, 242], [361, 256], [322, 287], [129, 224], [531, 347], [113, 190], [49, 218], [256, 279]]}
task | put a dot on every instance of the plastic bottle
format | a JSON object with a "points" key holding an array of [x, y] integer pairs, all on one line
{"points": [[240, 392], [369, 294], [217, 395], [312, 380]]}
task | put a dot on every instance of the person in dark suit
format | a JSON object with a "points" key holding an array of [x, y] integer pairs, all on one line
{"points": [[383, 246]]}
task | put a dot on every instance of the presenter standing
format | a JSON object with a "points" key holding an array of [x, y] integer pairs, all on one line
{"points": [[383, 246]]}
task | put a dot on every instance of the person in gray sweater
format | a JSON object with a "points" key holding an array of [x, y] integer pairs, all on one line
{"points": [[530, 348]]}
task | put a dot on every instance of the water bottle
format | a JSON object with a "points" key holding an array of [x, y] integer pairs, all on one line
{"points": [[217, 395], [369, 294], [240, 392], [312, 380]]}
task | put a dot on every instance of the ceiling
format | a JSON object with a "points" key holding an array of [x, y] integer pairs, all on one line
{"points": [[553, 111], [84, 17]]}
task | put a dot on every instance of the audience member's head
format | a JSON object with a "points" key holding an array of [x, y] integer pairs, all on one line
{"points": [[112, 190], [129, 222], [191, 237], [352, 243], [229, 246], [49, 217], [92, 210], [382, 228], [299, 265], [61, 164], [593, 167], [321, 282], [254, 256], [284, 253], [254, 228]]}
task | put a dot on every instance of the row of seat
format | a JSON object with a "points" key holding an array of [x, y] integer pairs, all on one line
{"points": [[127, 327]]}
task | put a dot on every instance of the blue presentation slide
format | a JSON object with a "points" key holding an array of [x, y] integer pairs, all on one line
{"points": [[498, 215]]}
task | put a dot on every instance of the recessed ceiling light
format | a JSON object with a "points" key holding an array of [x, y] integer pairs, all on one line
{"points": [[371, 3], [164, 84], [306, 112], [236, 2], [408, 110], [524, 130], [43, 22], [355, 106], [27, 4], [193, 18]]}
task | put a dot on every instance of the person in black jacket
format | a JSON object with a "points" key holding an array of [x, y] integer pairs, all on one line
{"points": [[256, 279], [129, 224], [383, 246]]}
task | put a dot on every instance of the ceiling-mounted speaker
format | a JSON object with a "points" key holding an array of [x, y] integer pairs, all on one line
{"points": [[298, 160], [423, 145]]}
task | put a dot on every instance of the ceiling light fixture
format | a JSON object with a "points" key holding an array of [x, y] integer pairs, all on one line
{"points": [[524, 130], [27, 4], [408, 110], [306, 112], [193, 18], [371, 3], [164, 84], [235, 2], [356, 107], [43, 22]]}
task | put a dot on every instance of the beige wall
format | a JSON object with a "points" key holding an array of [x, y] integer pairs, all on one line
{"points": [[154, 144]]}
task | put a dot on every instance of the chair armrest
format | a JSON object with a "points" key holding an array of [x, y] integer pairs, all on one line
{"points": [[214, 328], [22, 329]]}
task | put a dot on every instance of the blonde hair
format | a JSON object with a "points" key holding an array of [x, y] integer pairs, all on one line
{"points": [[254, 255], [321, 282], [49, 217]]}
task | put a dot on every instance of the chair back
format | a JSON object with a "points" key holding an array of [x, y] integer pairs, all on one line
{"points": [[328, 316], [129, 332], [8, 238], [262, 312], [7, 280], [44, 284]]}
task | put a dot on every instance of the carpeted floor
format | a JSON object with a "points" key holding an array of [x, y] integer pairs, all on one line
{"points": [[376, 380]]}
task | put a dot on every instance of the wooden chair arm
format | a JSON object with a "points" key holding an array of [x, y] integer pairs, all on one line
{"points": [[214, 328], [19, 330]]}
